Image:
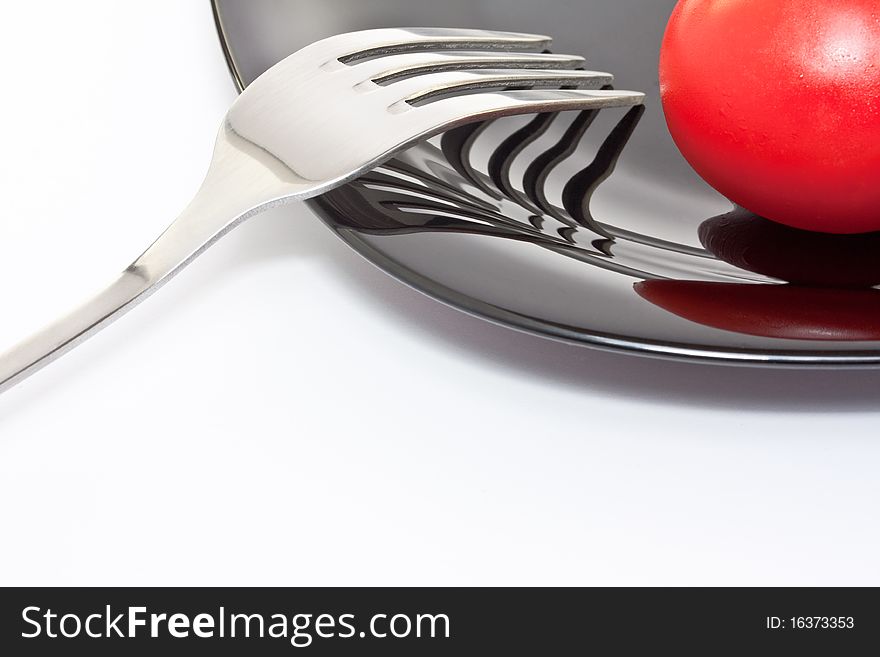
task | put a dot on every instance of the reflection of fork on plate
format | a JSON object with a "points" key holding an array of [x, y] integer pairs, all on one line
{"points": [[828, 295]]}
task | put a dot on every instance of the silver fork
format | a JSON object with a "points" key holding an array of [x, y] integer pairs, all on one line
{"points": [[319, 119]]}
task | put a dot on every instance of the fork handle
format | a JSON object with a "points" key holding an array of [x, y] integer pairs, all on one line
{"points": [[54, 340], [239, 183]]}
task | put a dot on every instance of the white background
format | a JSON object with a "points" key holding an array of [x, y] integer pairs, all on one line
{"points": [[284, 414]]}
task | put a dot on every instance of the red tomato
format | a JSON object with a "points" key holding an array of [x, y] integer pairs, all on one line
{"points": [[776, 104]]}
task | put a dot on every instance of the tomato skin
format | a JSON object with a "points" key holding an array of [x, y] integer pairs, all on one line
{"points": [[776, 104]]}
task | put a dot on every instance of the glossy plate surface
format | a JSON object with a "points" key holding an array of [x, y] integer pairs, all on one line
{"points": [[589, 227]]}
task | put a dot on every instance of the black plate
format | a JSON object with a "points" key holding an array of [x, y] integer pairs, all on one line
{"points": [[586, 228]]}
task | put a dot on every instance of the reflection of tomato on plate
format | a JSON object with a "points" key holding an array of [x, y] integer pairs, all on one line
{"points": [[773, 311], [776, 104]]}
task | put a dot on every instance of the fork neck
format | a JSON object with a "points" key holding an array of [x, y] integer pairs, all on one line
{"points": [[242, 181]]}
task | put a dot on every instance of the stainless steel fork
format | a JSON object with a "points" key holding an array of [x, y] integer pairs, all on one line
{"points": [[319, 119]]}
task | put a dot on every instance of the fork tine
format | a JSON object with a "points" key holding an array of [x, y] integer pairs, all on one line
{"points": [[459, 110], [356, 46], [430, 88], [386, 70]]}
